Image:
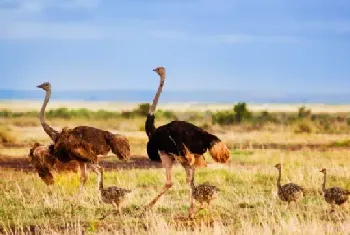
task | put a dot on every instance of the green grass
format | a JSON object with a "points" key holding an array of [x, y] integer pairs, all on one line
{"points": [[247, 203]]}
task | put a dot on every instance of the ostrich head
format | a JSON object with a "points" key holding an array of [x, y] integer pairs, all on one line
{"points": [[323, 170], [43, 162], [278, 166], [160, 71], [45, 86]]}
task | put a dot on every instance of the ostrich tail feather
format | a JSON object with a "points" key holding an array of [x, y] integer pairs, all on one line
{"points": [[219, 152], [120, 146]]}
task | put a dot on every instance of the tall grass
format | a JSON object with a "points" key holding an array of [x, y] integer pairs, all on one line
{"points": [[6, 135], [247, 204]]}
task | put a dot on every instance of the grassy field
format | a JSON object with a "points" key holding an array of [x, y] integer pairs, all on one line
{"points": [[248, 202]]}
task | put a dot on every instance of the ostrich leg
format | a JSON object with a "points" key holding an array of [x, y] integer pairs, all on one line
{"points": [[97, 169], [83, 178], [167, 162], [190, 182]]}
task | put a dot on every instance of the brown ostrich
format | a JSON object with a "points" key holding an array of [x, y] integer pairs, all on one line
{"points": [[113, 195], [335, 195], [82, 144], [181, 141], [205, 193], [288, 192]]}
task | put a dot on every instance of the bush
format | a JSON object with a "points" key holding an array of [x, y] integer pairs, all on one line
{"points": [[142, 109], [303, 112], [224, 118], [241, 112], [165, 114]]}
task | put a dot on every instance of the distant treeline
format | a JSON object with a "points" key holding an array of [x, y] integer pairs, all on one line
{"points": [[65, 113], [303, 120]]}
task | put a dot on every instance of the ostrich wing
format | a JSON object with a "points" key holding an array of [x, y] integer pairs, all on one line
{"points": [[71, 146]]}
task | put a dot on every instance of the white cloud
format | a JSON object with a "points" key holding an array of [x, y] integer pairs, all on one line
{"points": [[23, 31], [89, 31], [23, 22], [32, 6], [338, 27], [242, 38]]}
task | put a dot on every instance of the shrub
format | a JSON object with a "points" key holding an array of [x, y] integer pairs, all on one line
{"points": [[241, 112], [142, 109], [224, 118], [303, 112]]}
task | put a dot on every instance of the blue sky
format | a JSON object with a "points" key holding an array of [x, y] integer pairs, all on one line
{"points": [[270, 46]]}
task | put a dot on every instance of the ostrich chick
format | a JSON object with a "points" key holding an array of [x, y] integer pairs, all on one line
{"points": [[205, 193], [288, 192], [334, 195], [113, 195]]}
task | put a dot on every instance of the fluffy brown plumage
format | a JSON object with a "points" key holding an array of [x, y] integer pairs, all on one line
{"points": [[204, 193], [46, 164], [288, 192], [334, 195], [180, 141], [83, 143], [113, 195], [39, 156]]}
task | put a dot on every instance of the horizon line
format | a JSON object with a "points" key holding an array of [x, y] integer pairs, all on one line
{"points": [[185, 90]]}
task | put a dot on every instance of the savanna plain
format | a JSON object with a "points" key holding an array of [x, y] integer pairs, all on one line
{"points": [[303, 139]]}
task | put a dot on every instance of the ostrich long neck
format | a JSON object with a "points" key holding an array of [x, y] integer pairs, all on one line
{"points": [[152, 109], [279, 179], [49, 130], [149, 125], [324, 182]]}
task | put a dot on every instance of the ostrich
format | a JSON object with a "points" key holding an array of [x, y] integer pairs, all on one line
{"points": [[113, 195], [204, 193], [334, 195], [181, 141], [288, 192], [82, 144]]}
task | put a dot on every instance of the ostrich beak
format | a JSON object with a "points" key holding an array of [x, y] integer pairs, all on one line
{"points": [[154, 70], [40, 86]]}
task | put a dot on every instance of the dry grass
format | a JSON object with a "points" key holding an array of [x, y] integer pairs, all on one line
{"points": [[6, 135], [247, 204]]}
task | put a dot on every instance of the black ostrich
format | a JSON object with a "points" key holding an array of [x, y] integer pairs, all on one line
{"points": [[181, 141]]}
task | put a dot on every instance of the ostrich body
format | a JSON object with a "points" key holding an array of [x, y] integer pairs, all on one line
{"points": [[205, 193], [112, 195], [181, 141], [335, 195], [288, 192], [82, 144]]}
